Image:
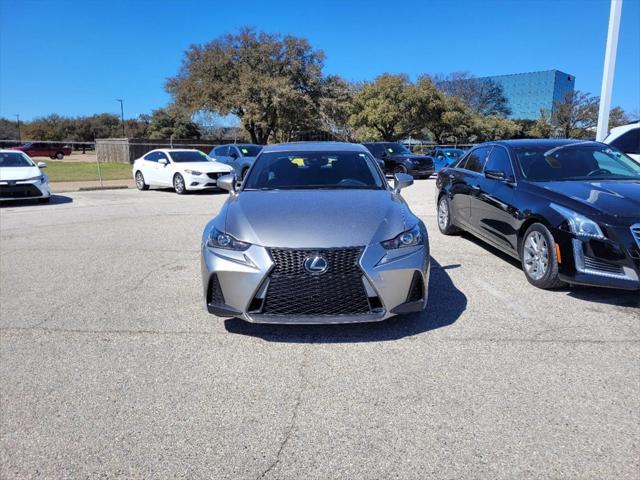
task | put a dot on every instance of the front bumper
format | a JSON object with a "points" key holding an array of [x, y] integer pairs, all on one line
{"points": [[206, 181], [237, 284], [613, 262], [24, 190], [420, 171]]}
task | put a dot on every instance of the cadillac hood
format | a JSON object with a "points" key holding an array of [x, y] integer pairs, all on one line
{"points": [[316, 218], [617, 198]]}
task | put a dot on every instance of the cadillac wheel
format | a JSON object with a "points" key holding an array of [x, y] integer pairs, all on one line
{"points": [[315, 235]]}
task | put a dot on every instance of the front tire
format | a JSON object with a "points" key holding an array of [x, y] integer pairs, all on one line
{"points": [[539, 259], [140, 183], [400, 169], [444, 217], [179, 185]]}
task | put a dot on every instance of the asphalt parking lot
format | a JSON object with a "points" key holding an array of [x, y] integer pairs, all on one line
{"points": [[111, 367]]}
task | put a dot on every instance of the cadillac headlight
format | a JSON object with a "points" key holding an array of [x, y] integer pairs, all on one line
{"points": [[218, 239], [579, 225], [409, 238]]}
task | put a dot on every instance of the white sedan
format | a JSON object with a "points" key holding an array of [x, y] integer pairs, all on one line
{"points": [[182, 169], [21, 178]]}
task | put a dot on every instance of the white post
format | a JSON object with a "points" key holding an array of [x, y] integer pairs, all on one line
{"points": [[609, 70]]}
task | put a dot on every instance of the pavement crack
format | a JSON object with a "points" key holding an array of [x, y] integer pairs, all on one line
{"points": [[294, 416]]}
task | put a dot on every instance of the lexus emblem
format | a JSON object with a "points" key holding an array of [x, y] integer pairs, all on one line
{"points": [[316, 264]]}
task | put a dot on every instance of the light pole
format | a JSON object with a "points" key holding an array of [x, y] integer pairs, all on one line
{"points": [[609, 69], [18, 122], [121, 114]]}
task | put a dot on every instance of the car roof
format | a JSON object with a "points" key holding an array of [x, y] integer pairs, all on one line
{"points": [[624, 128], [169, 150], [314, 147], [537, 142]]}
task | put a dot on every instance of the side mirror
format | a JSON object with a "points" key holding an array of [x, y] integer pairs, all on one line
{"points": [[228, 182], [163, 161], [42, 165], [402, 180], [495, 175], [380, 164], [233, 155]]}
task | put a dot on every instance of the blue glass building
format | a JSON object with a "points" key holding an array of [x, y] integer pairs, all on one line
{"points": [[528, 93]]}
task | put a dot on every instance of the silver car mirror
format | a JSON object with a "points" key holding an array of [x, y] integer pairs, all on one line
{"points": [[163, 161], [228, 182], [42, 165], [402, 180]]}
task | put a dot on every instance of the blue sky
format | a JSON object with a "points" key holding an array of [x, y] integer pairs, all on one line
{"points": [[77, 57]]}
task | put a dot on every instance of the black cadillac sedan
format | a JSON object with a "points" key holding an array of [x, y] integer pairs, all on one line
{"points": [[569, 210]]}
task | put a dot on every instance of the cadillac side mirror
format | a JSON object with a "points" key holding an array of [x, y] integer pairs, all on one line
{"points": [[228, 182], [402, 180]]}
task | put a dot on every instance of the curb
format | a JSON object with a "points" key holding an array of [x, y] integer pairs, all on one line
{"points": [[107, 187]]}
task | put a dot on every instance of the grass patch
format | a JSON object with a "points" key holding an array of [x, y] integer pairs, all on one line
{"points": [[61, 171]]}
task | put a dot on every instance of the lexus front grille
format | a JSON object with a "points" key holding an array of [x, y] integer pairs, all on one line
{"points": [[339, 290]]}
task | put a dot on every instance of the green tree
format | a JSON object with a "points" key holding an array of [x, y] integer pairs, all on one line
{"points": [[389, 108], [8, 129], [482, 95], [166, 123], [264, 79]]}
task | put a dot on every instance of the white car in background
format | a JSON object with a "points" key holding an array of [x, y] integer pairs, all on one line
{"points": [[626, 139], [21, 178], [182, 169]]}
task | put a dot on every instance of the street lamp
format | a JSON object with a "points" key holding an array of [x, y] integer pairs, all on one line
{"points": [[121, 114], [18, 122]]}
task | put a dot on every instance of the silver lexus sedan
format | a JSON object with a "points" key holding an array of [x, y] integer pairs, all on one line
{"points": [[315, 234]]}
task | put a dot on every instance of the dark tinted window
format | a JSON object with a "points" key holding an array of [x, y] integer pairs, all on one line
{"points": [[11, 159], [377, 149], [185, 156], [628, 142], [578, 161], [476, 158], [250, 150], [499, 161], [222, 151], [152, 156], [314, 170]]}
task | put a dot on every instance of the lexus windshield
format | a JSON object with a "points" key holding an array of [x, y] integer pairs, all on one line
{"points": [[314, 170], [188, 156], [579, 161]]}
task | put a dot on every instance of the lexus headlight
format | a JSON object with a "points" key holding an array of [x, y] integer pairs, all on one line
{"points": [[218, 239], [408, 238], [193, 172], [580, 226]]}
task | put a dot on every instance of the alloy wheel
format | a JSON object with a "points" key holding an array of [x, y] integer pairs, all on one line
{"points": [[536, 255], [139, 181], [443, 213], [178, 184]]}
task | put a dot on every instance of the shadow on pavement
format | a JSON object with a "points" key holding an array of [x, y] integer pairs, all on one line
{"points": [[446, 304], [620, 298], [55, 200], [216, 191]]}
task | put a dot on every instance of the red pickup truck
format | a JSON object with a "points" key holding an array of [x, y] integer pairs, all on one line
{"points": [[44, 149]]}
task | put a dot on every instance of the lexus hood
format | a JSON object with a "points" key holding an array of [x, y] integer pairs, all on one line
{"points": [[617, 198], [316, 218], [18, 173]]}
